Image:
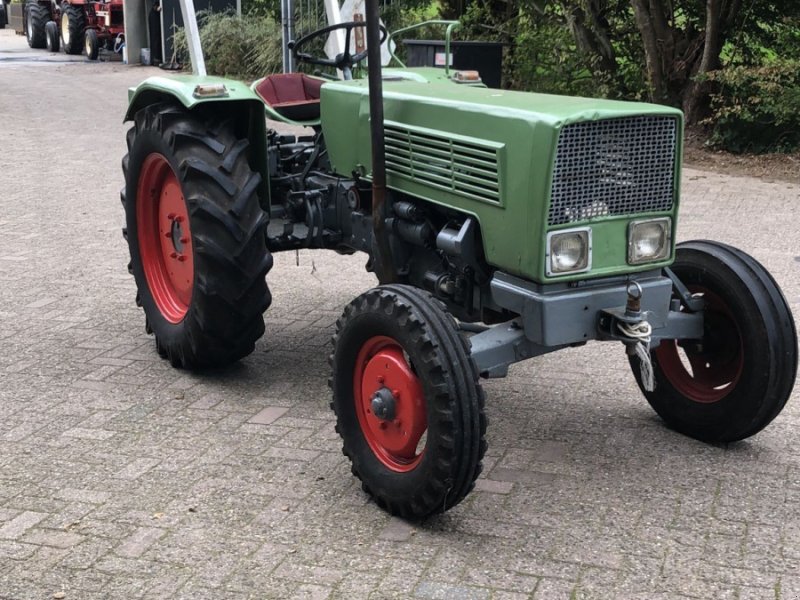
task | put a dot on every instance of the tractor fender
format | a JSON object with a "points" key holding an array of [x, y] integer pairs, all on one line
{"points": [[182, 88], [239, 103]]}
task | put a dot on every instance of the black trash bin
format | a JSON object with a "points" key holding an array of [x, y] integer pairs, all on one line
{"points": [[484, 57]]}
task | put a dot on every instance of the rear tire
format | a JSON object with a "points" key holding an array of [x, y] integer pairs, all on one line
{"points": [[51, 33], [38, 16], [73, 22], [735, 381], [196, 234], [91, 45], [422, 454]]}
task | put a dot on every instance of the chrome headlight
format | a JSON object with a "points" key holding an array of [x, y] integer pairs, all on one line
{"points": [[569, 251], [649, 240]]}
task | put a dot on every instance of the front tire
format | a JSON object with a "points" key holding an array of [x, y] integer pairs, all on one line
{"points": [[196, 234], [73, 22], [91, 45], [734, 382], [51, 33], [408, 404]]}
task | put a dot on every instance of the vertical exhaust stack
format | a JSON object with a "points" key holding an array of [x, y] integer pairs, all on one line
{"points": [[384, 268], [193, 38]]}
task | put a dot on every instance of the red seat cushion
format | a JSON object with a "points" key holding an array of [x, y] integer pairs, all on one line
{"points": [[293, 95]]}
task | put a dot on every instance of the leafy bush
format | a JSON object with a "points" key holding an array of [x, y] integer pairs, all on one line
{"points": [[250, 47], [756, 109], [246, 48]]}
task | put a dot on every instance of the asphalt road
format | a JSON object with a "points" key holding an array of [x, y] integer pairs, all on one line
{"points": [[123, 478]]}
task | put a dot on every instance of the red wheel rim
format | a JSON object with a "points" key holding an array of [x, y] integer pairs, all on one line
{"points": [[165, 239], [717, 366], [381, 365]]}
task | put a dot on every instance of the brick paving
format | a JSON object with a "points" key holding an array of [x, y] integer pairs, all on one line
{"points": [[121, 477]]}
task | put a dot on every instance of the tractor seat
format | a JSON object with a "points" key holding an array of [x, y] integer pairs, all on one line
{"points": [[292, 95]]}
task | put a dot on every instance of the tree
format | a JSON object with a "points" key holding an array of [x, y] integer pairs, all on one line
{"points": [[658, 49], [681, 41], [678, 56]]}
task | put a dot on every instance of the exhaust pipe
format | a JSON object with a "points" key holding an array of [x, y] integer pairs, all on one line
{"points": [[384, 268]]}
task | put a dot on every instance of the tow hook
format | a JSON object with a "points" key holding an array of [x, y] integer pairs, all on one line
{"points": [[635, 326], [618, 323], [630, 326], [633, 307]]}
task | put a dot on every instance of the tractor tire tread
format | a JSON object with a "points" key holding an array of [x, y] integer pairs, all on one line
{"points": [[38, 16], [455, 398], [231, 259], [768, 313], [76, 23]]}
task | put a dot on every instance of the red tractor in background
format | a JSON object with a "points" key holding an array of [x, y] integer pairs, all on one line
{"points": [[74, 25]]}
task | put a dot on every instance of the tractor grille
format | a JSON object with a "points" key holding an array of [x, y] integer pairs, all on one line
{"points": [[614, 167], [462, 166]]}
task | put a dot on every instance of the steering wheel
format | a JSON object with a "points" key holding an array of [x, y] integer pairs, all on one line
{"points": [[344, 61]]}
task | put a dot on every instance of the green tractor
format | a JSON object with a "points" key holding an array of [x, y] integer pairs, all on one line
{"points": [[500, 226]]}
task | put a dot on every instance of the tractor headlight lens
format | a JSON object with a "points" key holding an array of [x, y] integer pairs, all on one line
{"points": [[649, 240], [569, 251]]}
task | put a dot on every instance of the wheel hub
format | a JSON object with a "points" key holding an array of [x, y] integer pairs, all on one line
{"points": [[165, 245], [390, 404], [65, 28], [177, 237], [712, 365], [383, 404]]}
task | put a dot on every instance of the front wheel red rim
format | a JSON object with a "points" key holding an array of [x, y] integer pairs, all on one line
{"points": [[165, 238], [709, 369], [384, 378]]}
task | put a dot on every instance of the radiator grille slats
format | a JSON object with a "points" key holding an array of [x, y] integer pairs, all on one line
{"points": [[466, 168], [614, 167]]}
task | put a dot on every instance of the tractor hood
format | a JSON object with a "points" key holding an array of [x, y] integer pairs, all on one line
{"points": [[430, 87], [492, 153], [425, 98]]}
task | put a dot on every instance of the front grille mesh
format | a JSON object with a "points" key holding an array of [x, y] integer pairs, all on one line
{"points": [[463, 167], [613, 167]]}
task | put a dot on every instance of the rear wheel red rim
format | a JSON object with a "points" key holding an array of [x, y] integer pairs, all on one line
{"points": [[165, 238], [382, 368], [715, 364]]}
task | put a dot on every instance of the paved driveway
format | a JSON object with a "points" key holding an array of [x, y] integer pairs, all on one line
{"points": [[123, 478]]}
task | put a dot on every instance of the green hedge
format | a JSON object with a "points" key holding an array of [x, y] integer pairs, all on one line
{"points": [[245, 48], [756, 109]]}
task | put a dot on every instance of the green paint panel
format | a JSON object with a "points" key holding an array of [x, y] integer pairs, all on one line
{"points": [[182, 88], [522, 128]]}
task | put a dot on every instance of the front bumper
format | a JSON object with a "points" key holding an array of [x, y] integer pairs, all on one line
{"points": [[555, 316], [558, 315]]}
